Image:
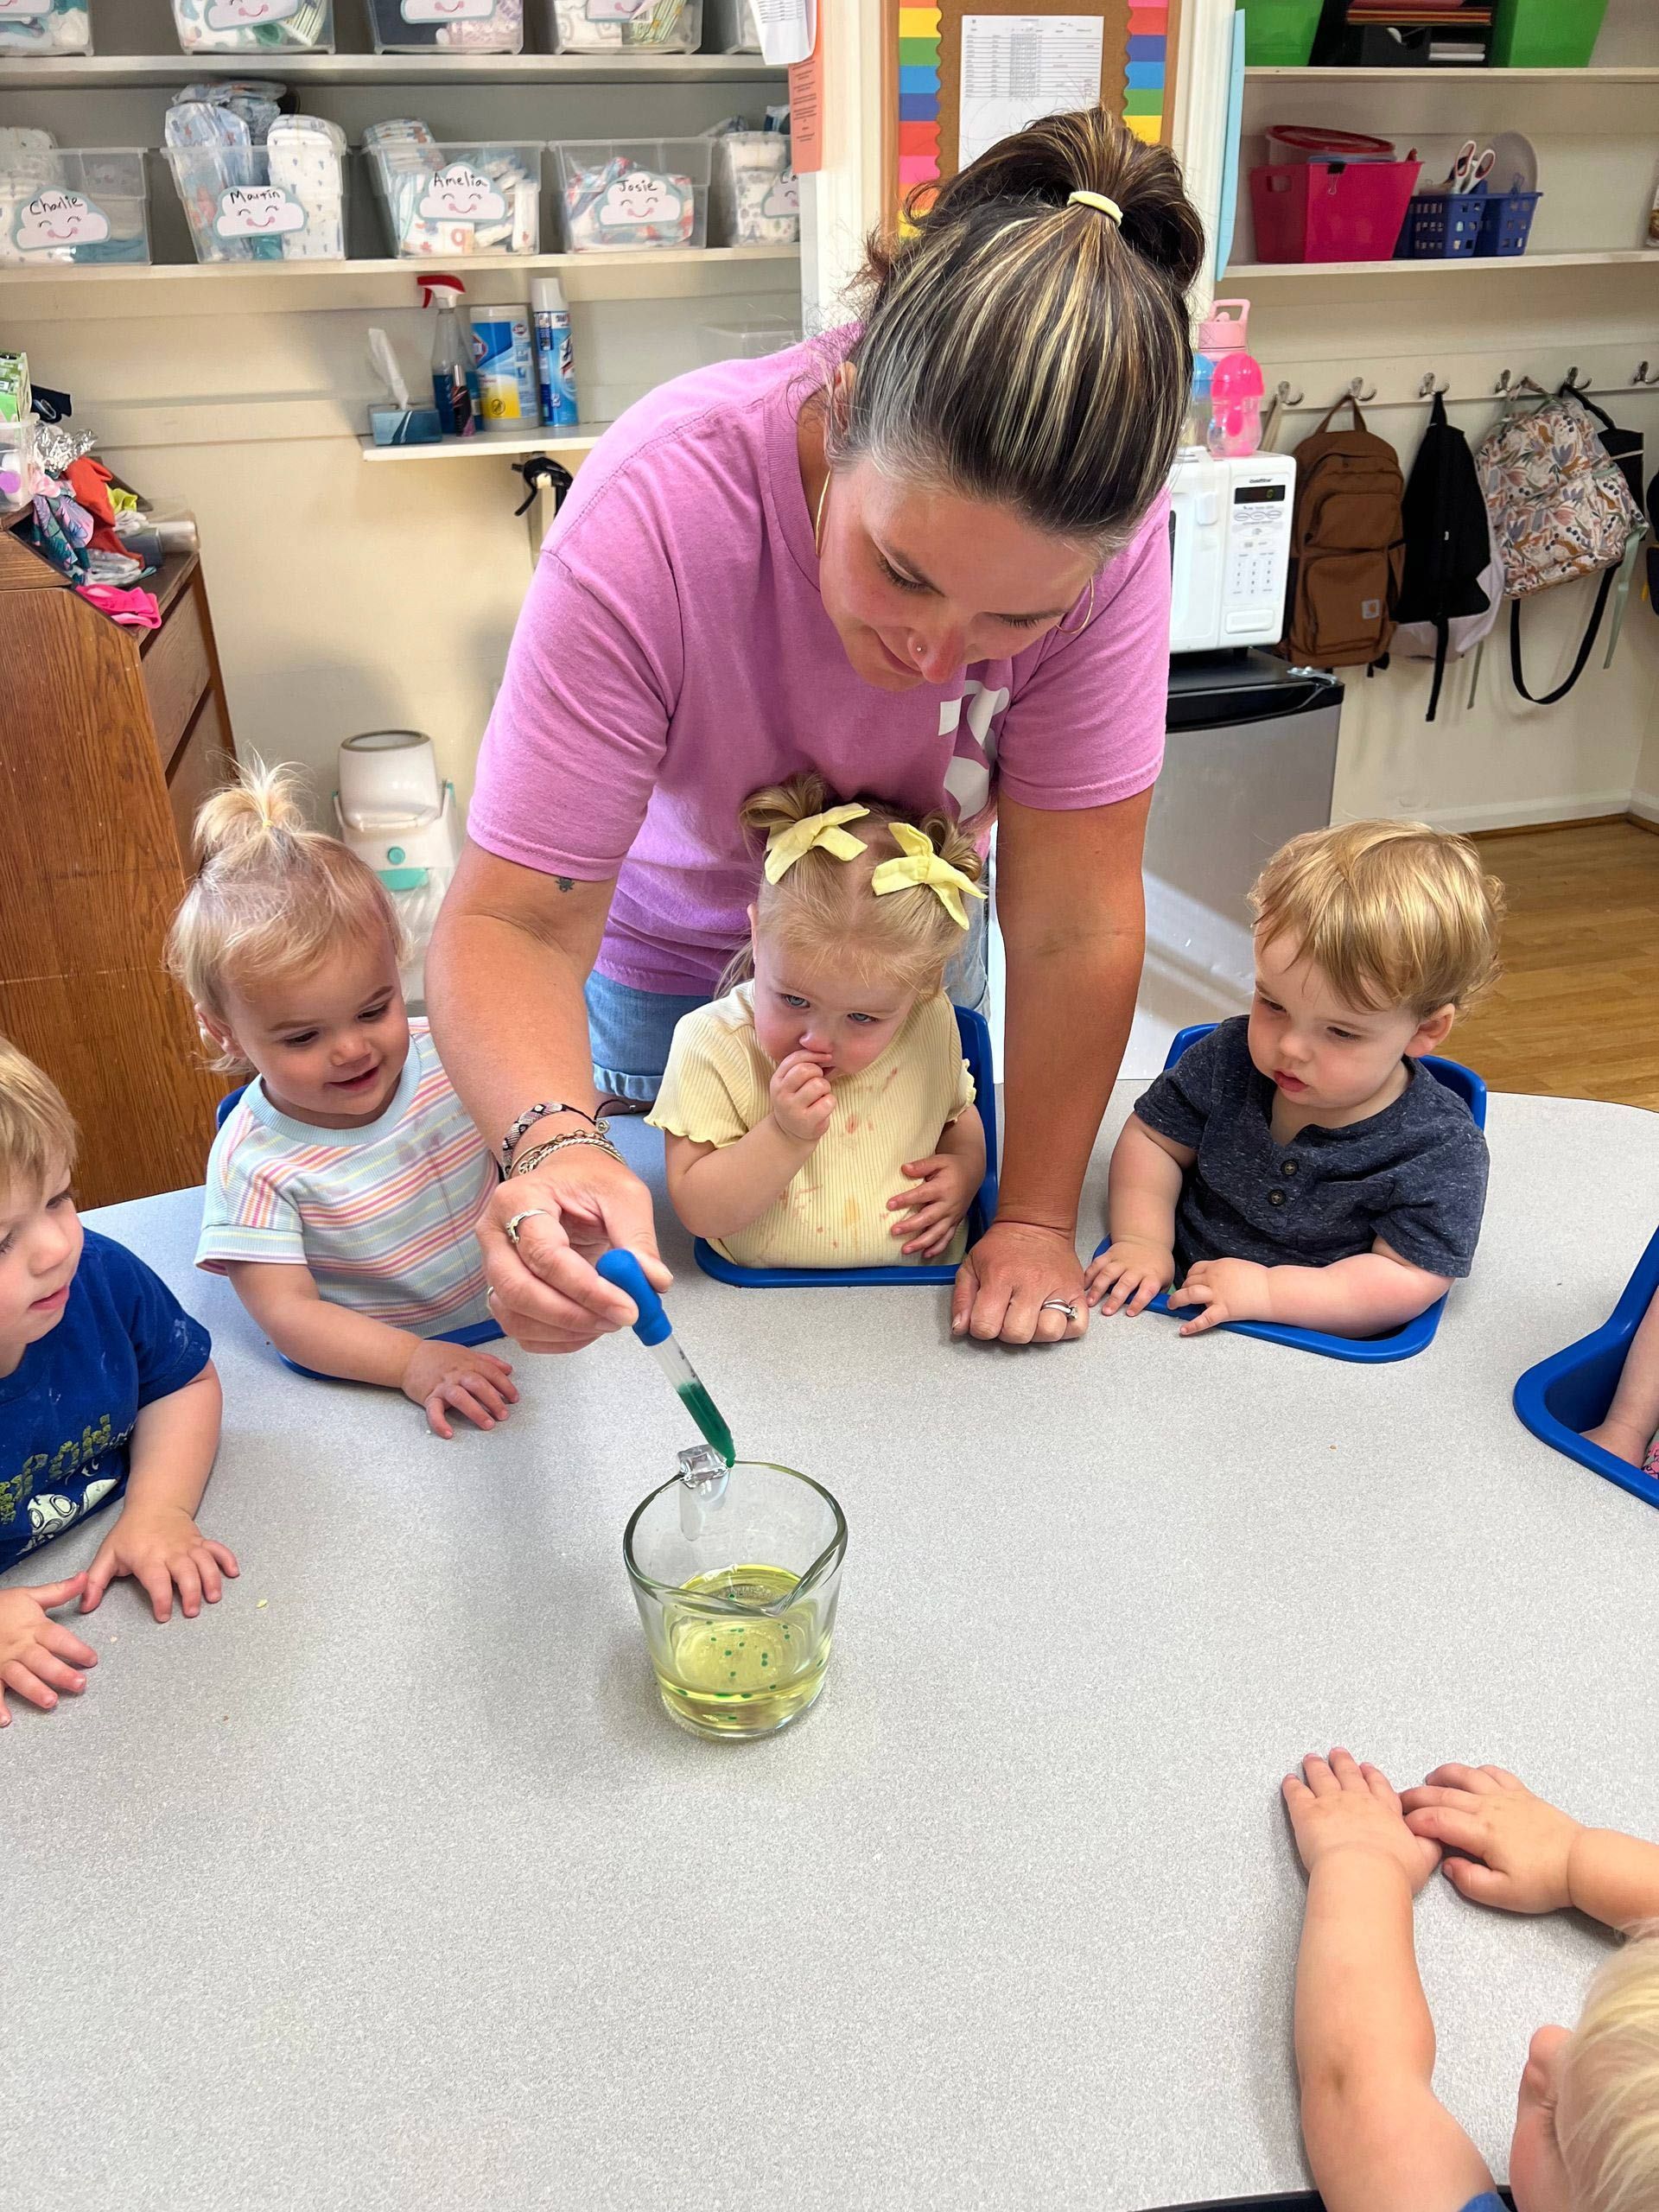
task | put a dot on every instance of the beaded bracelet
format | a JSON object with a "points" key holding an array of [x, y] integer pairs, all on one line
{"points": [[534, 1114], [538, 1152]]}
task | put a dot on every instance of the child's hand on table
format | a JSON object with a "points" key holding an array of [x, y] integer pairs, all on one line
{"points": [[441, 1376], [1226, 1290], [38, 1655], [1344, 1806], [1129, 1269], [1519, 1847], [160, 1545], [943, 1194], [802, 1100]]}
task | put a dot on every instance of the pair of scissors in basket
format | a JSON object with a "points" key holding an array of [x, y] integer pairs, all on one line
{"points": [[1470, 170]]}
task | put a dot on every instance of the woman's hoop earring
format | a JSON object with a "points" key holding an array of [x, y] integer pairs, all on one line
{"points": [[1060, 630]]}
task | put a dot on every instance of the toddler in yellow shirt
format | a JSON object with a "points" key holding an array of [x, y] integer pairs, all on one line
{"points": [[820, 1113]]}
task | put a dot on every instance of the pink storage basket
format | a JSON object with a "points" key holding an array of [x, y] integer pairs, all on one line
{"points": [[1331, 211]]}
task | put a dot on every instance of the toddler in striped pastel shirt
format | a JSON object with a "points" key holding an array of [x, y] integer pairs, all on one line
{"points": [[345, 1186], [820, 1115]]}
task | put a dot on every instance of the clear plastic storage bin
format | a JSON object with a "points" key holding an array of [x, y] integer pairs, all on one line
{"points": [[60, 206], [447, 26], [282, 201], [754, 196], [263, 26], [45, 27], [623, 195], [451, 201], [622, 26]]}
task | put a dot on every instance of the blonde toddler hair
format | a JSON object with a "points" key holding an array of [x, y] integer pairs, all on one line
{"points": [[824, 907], [1392, 913], [270, 899], [1608, 2117], [38, 1136]]}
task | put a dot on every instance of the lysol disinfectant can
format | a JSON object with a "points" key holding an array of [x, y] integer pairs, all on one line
{"points": [[555, 366]]}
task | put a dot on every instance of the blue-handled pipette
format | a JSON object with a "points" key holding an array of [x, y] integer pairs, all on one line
{"points": [[652, 1329]]}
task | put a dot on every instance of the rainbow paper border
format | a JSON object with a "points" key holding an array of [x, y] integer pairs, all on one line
{"points": [[1147, 69], [919, 99]]}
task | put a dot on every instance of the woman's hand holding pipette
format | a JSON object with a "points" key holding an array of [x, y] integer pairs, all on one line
{"points": [[543, 1290]]}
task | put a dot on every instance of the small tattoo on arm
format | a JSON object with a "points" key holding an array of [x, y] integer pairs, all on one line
{"points": [[565, 882]]}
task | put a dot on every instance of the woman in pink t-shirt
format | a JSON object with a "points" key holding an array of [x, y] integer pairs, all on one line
{"points": [[926, 555]]}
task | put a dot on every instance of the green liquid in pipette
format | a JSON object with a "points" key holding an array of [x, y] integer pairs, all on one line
{"points": [[702, 1410]]}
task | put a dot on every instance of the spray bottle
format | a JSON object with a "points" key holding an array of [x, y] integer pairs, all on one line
{"points": [[555, 363], [454, 386]]}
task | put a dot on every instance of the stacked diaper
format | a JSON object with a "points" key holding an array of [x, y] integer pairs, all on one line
{"points": [[756, 194], [255, 26], [452, 201], [477, 26], [258, 100], [613, 203], [45, 27], [281, 200], [58, 206], [607, 26]]}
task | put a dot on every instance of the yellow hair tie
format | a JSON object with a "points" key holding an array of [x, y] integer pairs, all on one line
{"points": [[1097, 200], [921, 864], [817, 832]]}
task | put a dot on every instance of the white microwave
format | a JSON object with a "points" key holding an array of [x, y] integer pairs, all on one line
{"points": [[1229, 549]]}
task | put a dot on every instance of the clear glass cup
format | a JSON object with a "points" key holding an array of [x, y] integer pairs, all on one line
{"points": [[736, 1573]]}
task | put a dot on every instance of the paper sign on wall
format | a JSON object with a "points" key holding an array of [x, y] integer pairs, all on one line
{"points": [[806, 108], [787, 29], [1016, 69], [460, 195], [53, 221], [447, 11], [257, 211]]}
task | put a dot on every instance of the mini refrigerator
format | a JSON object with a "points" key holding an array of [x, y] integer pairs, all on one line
{"points": [[1250, 760]]}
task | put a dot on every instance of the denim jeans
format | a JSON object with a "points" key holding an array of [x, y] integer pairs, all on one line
{"points": [[629, 1031]]}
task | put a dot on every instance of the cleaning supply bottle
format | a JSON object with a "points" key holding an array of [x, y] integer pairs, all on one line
{"points": [[555, 366], [1235, 381], [455, 387]]}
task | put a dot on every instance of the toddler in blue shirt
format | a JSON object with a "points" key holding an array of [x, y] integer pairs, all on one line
{"points": [[1301, 1167], [106, 1393]]}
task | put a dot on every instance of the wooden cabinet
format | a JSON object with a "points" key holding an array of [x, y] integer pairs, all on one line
{"points": [[109, 739]]}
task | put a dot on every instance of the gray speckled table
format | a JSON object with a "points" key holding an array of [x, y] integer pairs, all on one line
{"points": [[388, 1884]]}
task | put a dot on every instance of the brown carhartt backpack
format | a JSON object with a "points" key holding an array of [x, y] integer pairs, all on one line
{"points": [[1347, 547]]}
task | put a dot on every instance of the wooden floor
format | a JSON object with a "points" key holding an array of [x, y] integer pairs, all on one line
{"points": [[1575, 1013]]}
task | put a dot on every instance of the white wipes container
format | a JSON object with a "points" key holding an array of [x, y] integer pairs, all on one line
{"points": [[398, 815]]}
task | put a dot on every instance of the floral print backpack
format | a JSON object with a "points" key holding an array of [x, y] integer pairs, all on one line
{"points": [[1562, 507]]}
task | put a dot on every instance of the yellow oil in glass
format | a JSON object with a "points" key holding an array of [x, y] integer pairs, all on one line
{"points": [[737, 1675]]}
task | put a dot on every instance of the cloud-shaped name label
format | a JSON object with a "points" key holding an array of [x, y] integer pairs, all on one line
{"points": [[240, 14], [783, 195], [257, 211], [459, 194], [53, 221], [447, 11], [640, 197]]}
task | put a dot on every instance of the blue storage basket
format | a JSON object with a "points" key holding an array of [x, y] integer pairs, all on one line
{"points": [[1373, 1352], [1442, 226], [1506, 223], [976, 1050], [475, 1332], [1570, 1390]]}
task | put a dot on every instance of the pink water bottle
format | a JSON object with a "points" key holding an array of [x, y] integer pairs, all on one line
{"points": [[1236, 383]]}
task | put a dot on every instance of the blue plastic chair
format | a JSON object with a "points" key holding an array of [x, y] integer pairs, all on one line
{"points": [[1572, 1391], [976, 1050], [475, 1332], [1373, 1352]]}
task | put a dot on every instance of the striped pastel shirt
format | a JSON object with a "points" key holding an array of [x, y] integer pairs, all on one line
{"points": [[833, 1213], [384, 1215]]}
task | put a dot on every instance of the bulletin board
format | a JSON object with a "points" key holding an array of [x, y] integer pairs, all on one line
{"points": [[922, 50]]}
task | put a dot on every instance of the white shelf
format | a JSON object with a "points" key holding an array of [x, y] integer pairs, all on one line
{"points": [[87, 71], [294, 287], [1257, 272], [1475, 76], [487, 443]]}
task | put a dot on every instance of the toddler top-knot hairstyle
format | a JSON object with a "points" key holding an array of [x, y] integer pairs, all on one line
{"points": [[270, 898], [1607, 2120], [827, 906], [1394, 913]]}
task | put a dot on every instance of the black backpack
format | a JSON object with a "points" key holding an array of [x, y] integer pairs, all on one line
{"points": [[1448, 539]]}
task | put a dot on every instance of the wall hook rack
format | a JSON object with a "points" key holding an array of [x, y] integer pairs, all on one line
{"points": [[1355, 392], [1571, 381], [1428, 387], [1286, 397], [1641, 376]]}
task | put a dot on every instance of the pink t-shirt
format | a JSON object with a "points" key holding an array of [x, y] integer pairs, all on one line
{"points": [[673, 655]]}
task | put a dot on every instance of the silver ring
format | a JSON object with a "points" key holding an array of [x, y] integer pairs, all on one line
{"points": [[1059, 1305], [529, 1214]]}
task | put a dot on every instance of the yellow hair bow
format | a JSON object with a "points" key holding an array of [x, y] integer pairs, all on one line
{"points": [[921, 864], [786, 846]]}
